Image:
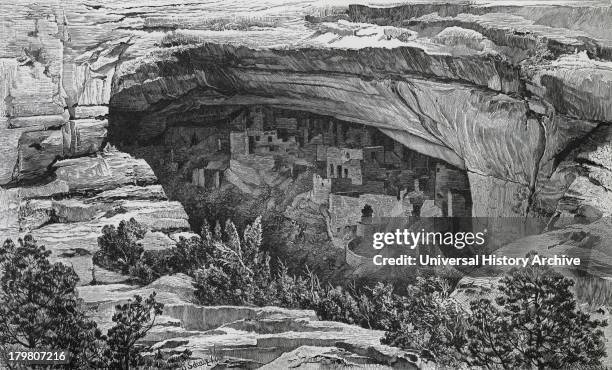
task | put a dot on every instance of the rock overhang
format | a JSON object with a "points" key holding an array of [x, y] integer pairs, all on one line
{"points": [[513, 124], [458, 96]]}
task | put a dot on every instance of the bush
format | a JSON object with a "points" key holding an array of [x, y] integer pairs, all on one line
{"points": [[294, 291], [40, 305], [191, 254], [534, 323], [377, 306], [143, 273], [237, 271], [337, 304], [426, 319], [119, 248], [210, 282]]}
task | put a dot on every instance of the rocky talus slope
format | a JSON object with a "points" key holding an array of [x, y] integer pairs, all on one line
{"points": [[518, 93], [250, 337]]}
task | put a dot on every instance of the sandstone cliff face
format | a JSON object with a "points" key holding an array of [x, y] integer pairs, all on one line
{"points": [[518, 95], [496, 90], [502, 107]]}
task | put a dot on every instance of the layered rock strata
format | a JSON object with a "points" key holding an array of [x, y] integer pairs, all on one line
{"points": [[517, 94], [247, 337]]}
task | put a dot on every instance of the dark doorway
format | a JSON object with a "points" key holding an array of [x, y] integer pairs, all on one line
{"points": [[251, 147], [367, 211]]}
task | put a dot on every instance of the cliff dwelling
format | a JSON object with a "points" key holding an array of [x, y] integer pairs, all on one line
{"points": [[314, 123], [347, 165]]}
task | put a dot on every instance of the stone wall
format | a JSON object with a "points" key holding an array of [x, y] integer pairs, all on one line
{"points": [[198, 178], [374, 155], [321, 188], [356, 261], [288, 124], [239, 143], [347, 211], [345, 163], [454, 181]]}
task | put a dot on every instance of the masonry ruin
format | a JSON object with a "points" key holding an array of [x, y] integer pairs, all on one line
{"points": [[353, 166]]}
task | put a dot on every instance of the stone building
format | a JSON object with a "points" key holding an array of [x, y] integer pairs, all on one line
{"points": [[210, 176], [344, 163], [286, 124], [348, 212], [239, 143], [452, 191], [374, 155], [198, 178], [252, 117], [263, 142]]}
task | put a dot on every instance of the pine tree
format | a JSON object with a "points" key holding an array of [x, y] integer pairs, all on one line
{"points": [[237, 271], [205, 232], [40, 305], [252, 240], [232, 237], [133, 320], [218, 233], [534, 324]]}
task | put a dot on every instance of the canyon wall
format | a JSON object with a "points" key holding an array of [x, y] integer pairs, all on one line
{"points": [[518, 101], [503, 120], [519, 96]]}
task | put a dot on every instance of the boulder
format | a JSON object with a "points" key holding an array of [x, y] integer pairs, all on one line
{"points": [[107, 170]]}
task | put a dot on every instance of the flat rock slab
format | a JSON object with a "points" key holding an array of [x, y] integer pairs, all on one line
{"points": [[259, 334], [105, 171], [75, 243]]}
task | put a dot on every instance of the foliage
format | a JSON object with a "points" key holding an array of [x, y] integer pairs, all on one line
{"points": [[120, 250], [426, 319], [534, 323], [191, 254], [119, 247], [40, 305], [593, 290], [295, 291], [337, 304], [132, 322], [236, 271], [41, 310], [143, 273], [377, 305]]}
